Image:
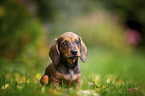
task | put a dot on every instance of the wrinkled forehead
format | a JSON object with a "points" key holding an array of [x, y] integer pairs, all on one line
{"points": [[68, 36]]}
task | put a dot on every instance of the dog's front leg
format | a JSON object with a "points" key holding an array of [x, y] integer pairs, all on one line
{"points": [[79, 84], [54, 83]]}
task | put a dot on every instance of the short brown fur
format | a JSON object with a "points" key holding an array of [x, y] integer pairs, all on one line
{"points": [[64, 54]]}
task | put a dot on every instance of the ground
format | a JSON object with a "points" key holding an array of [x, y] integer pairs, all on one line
{"points": [[104, 73]]}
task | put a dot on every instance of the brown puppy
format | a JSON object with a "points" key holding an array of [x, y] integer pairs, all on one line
{"points": [[64, 53]]}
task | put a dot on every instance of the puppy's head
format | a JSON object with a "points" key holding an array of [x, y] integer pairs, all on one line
{"points": [[68, 46]]}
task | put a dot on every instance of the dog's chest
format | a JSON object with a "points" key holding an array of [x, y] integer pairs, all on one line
{"points": [[71, 76]]}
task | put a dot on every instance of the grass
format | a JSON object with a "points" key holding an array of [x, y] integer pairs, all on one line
{"points": [[104, 73]]}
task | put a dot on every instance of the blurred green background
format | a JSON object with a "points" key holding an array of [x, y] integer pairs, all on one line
{"points": [[113, 31]]}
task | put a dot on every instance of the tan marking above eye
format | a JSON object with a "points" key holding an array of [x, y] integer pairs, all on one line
{"points": [[65, 40], [77, 41], [64, 43]]}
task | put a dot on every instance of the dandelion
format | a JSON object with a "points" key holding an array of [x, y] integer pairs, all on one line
{"points": [[104, 86], [38, 76], [5, 86], [28, 81]]}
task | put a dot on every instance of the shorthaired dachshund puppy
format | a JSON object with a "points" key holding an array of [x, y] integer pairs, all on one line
{"points": [[64, 53]]}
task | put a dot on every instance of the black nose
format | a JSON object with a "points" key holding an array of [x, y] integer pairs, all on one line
{"points": [[74, 52]]}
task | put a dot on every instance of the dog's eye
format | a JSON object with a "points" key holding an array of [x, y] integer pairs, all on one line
{"points": [[64, 43], [77, 42]]}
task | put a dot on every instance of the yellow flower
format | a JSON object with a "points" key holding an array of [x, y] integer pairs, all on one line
{"points": [[38, 76], [28, 81], [5, 86], [104, 86], [20, 82]]}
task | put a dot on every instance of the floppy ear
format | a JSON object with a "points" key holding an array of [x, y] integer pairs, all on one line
{"points": [[54, 52], [83, 51]]}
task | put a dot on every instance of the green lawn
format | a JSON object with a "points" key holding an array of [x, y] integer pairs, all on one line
{"points": [[104, 73]]}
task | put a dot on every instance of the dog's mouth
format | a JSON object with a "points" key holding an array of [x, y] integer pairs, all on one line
{"points": [[73, 57]]}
